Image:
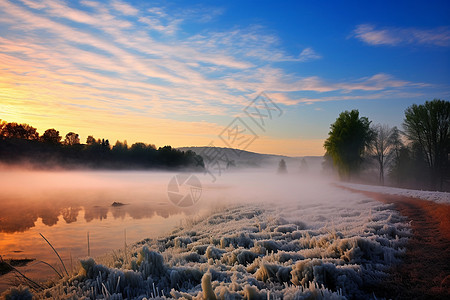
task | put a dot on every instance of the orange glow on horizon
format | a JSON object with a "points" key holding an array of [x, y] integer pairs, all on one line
{"points": [[160, 132]]}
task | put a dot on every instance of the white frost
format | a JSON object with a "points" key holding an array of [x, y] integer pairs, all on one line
{"points": [[438, 197], [314, 241]]}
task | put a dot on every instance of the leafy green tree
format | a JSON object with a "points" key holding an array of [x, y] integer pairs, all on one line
{"points": [[347, 142], [428, 126], [51, 136]]}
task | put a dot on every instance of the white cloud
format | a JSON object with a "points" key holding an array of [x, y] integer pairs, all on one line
{"points": [[156, 24], [308, 54], [253, 43], [61, 10], [157, 11], [33, 4], [378, 86], [394, 36], [372, 95], [124, 8], [112, 64]]}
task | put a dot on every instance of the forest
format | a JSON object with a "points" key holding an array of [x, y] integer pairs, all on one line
{"points": [[21, 144]]}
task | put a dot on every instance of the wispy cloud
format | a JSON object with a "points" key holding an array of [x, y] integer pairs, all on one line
{"points": [[308, 54], [394, 36], [156, 24], [115, 62], [124, 8], [251, 43], [33, 4], [378, 86], [343, 97]]}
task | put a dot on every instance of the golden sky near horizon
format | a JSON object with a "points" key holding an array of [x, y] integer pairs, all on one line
{"points": [[178, 74]]}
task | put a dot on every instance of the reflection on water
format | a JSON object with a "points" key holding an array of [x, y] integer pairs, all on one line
{"points": [[21, 214], [65, 206]]}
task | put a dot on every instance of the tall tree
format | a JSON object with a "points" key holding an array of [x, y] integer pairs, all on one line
{"points": [[282, 169], [71, 139], [385, 143], [19, 131], [120, 147], [347, 141], [105, 144], [304, 166], [428, 126], [96, 153], [91, 140], [51, 136], [2, 125], [30, 132]]}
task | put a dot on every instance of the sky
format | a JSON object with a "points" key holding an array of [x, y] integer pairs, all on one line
{"points": [[265, 76]]}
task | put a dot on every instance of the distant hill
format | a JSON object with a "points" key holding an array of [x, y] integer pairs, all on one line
{"points": [[244, 159]]}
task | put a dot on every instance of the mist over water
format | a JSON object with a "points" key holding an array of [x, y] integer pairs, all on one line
{"points": [[256, 206], [65, 205], [57, 198]]}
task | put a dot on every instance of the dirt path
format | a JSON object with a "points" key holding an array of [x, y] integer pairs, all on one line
{"points": [[425, 270]]}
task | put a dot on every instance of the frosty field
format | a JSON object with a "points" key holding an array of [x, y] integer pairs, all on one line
{"points": [[260, 236]]}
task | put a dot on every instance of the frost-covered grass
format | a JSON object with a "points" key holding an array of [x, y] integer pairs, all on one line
{"points": [[327, 244], [438, 197]]}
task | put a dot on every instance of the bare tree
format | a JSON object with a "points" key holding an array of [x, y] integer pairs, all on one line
{"points": [[385, 146]]}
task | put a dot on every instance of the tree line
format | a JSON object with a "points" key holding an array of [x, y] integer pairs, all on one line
{"points": [[416, 156], [21, 143]]}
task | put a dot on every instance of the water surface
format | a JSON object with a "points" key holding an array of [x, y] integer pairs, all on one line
{"points": [[67, 206]]}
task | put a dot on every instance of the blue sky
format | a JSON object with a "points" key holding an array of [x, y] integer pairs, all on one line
{"points": [[178, 73]]}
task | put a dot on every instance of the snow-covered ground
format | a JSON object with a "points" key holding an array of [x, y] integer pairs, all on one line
{"points": [[276, 238], [438, 197]]}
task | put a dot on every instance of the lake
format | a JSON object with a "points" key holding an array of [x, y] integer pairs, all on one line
{"points": [[114, 207], [117, 208]]}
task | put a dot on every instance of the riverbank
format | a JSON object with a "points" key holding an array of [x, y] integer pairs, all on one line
{"points": [[424, 272]]}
